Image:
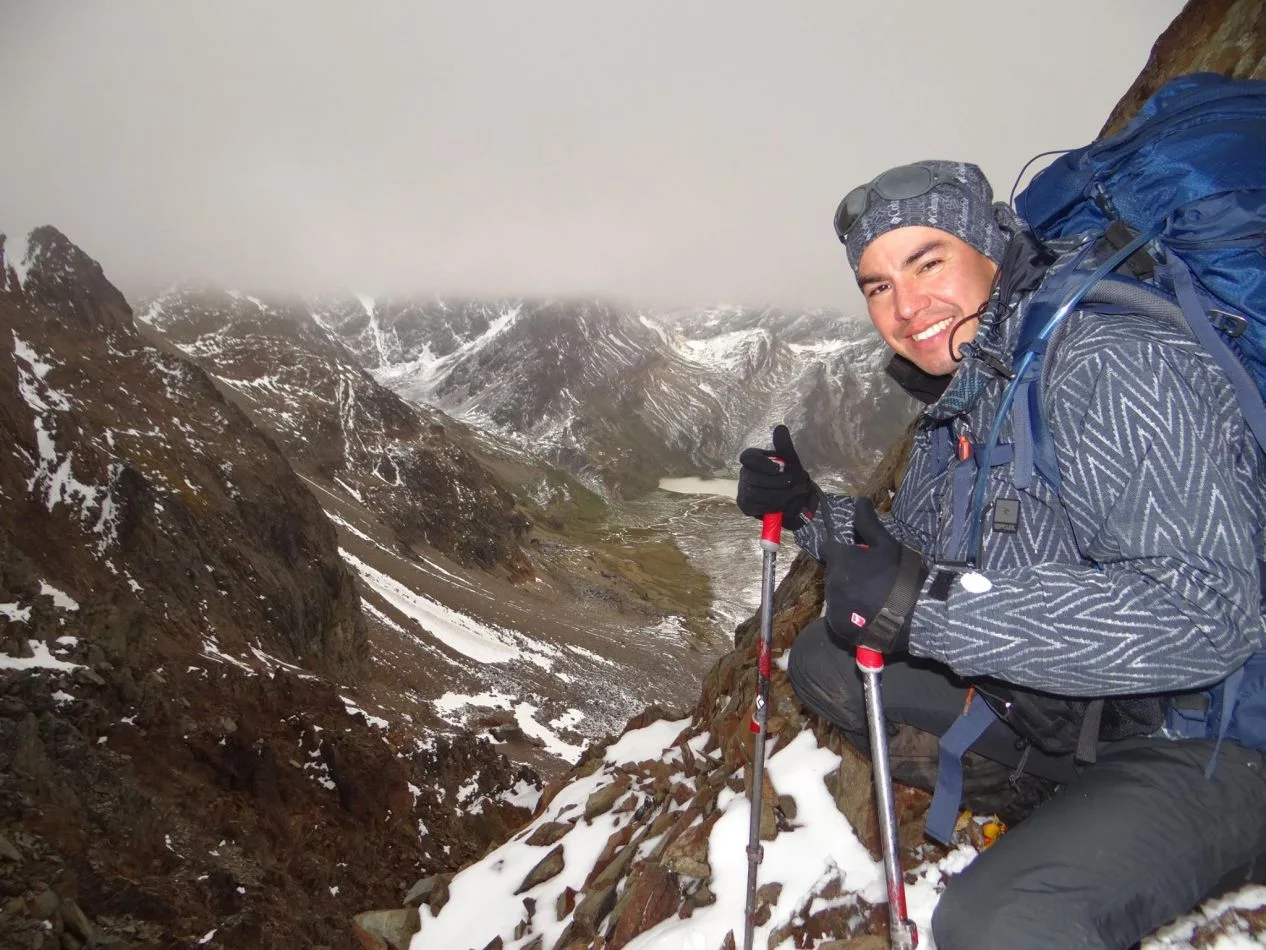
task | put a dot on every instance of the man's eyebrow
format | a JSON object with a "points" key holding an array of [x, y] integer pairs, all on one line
{"points": [[936, 244]]}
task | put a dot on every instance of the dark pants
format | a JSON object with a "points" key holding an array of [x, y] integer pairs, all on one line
{"points": [[1124, 845]]}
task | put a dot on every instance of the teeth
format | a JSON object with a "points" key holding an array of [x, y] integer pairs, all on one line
{"points": [[932, 331]]}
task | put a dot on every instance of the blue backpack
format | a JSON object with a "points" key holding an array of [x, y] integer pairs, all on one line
{"points": [[1181, 193]]}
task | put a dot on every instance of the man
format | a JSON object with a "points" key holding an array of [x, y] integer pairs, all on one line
{"points": [[1138, 580]]}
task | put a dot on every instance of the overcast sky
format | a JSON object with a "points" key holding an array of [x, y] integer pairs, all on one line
{"points": [[671, 153]]}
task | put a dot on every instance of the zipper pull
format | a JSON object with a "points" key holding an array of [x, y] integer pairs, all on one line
{"points": [[964, 448]]}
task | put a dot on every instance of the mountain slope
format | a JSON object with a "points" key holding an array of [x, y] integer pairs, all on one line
{"points": [[621, 399], [185, 755], [331, 419]]}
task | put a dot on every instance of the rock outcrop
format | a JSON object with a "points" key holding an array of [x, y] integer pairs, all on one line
{"points": [[182, 760], [334, 422]]}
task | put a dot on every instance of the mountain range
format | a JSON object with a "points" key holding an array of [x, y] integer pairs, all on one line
{"points": [[617, 398]]}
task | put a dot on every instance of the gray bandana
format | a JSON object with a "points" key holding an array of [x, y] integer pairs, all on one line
{"points": [[967, 213]]}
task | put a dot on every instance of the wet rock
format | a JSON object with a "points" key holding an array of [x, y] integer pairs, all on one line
{"points": [[787, 805], [386, 929], [565, 904], [590, 911], [862, 942], [613, 859], [546, 868], [420, 892], [688, 854], [602, 800], [439, 893], [661, 823], [77, 921], [852, 788], [549, 832], [8, 850], [766, 897], [703, 896], [649, 898]]}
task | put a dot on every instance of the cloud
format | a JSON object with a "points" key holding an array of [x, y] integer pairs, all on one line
{"points": [[657, 152]]}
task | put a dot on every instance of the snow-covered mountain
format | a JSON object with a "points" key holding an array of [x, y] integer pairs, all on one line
{"points": [[621, 398], [341, 427], [266, 630]]}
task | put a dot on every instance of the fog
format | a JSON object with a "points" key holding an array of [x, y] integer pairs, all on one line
{"points": [[657, 153]]}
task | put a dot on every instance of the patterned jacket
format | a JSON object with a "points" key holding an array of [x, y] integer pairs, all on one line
{"points": [[1141, 575]]}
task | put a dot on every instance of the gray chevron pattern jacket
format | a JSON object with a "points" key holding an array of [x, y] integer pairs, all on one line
{"points": [[1141, 576]]}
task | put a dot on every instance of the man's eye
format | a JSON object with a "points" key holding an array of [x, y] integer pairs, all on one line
{"points": [[928, 265], [876, 289]]}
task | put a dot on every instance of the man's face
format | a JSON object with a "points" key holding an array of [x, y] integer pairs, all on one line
{"points": [[919, 283]]}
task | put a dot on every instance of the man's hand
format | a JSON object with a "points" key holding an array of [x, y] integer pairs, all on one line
{"points": [[766, 487], [871, 586]]}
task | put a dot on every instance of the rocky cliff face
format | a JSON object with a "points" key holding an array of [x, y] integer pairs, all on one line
{"points": [[181, 654], [129, 479], [337, 425], [1216, 36]]}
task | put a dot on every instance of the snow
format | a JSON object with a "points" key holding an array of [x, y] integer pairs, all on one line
{"points": [[525, 716], [1180, 933], [17, 254], [825, 348], [31, 383], [43, 658], [820, 846], [484, 892], [649, 742], [61, 600], [15, 612], [354, 710], [467, 636], [725, 350], [211, 648], [720, 487], [451, 702], [822, 842]]}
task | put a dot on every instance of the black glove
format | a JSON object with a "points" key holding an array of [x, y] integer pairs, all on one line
{"points": [[871, 586], [766, 488]]}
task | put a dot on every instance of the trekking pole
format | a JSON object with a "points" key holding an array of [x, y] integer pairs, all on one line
{"points": [[903, 935], [770, 538]]}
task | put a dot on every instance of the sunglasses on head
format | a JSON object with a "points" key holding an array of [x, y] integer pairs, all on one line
{"points": [[896, 184]]}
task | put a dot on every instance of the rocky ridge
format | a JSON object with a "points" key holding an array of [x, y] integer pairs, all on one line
{"points": [[615, 397], [339, 426], [185, 757]]}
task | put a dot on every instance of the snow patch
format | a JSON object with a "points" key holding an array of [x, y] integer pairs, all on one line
{"points": [[42, 659]]}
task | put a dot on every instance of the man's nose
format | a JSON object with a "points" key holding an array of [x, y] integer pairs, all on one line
{"points": [[910, 300]]}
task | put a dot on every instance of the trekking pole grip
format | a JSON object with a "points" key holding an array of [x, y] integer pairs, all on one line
{"points": [[771, 531], [870, 660]]}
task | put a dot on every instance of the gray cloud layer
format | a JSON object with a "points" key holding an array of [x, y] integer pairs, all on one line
{"points": [[663, 152]]}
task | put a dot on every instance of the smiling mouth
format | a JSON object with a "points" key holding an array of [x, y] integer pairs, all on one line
{"points": [[938, 327]]}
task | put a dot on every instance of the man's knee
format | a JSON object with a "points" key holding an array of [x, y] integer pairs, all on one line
{"points": [[825, 678], [967, 919]]}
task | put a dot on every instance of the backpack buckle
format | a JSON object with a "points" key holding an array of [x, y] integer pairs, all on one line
{"points": [[1230, 324]]}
